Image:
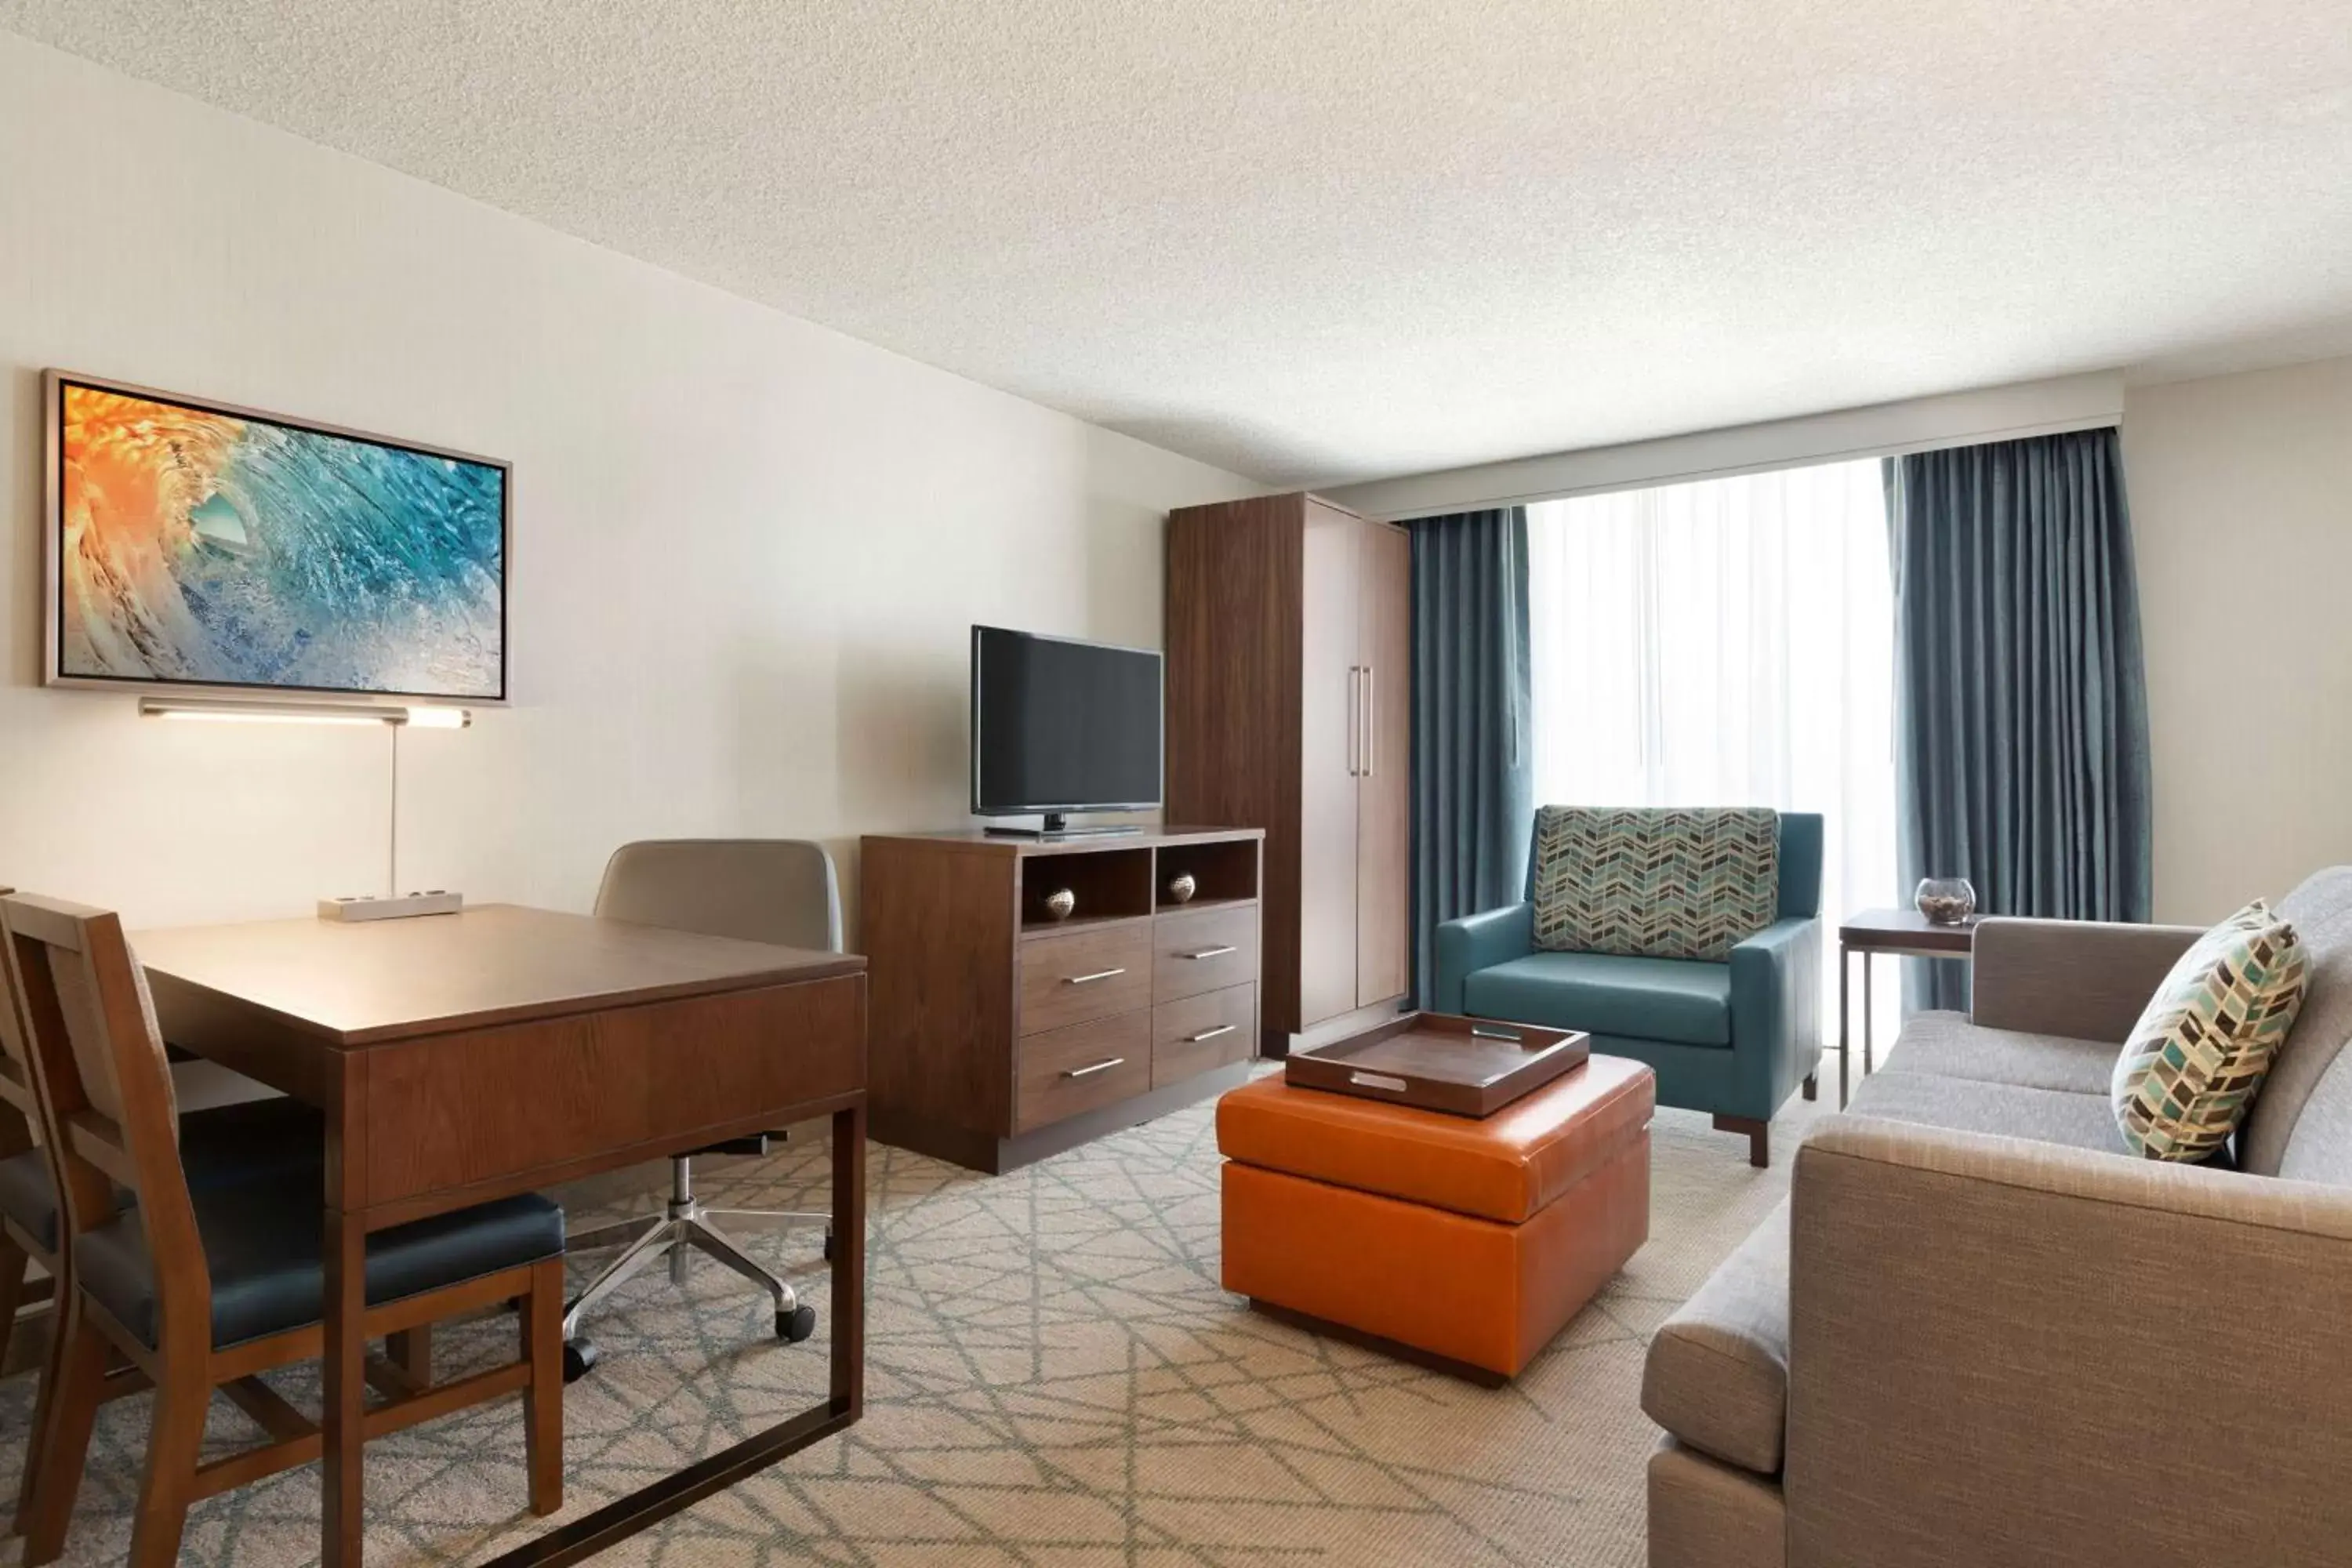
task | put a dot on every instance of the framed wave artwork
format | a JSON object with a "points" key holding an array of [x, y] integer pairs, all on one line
{"points": [[197, 545]]}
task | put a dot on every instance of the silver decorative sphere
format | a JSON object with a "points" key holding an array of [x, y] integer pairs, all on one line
{"points": [[1061, 903], [1180, 887]]}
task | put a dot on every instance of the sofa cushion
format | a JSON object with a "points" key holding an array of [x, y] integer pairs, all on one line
{"points": [[1673, 999], [1948, 1045], [2321, 912], [1651, 883], [2003, 1109], [1718, 1373], [2198, 1053]]}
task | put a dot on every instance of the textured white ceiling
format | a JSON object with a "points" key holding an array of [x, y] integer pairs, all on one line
{"points": [[1340, 240]]}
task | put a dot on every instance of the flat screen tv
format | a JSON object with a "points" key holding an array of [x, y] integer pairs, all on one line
{"points": [[195, 545], [1059, 725]]}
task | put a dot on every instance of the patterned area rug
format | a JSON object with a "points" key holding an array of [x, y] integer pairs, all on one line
{"points": [[1054, 1380]]}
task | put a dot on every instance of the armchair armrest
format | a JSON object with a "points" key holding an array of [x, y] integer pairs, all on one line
{"points": [[1479, 941], [2088, 980], [1776, 1004], [2000, 1343]]}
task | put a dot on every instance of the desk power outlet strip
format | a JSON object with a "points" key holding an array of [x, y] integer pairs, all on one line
{"points": [[398, 907]]}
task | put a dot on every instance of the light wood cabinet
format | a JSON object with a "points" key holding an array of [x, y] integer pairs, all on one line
{"points": [[1289, 708]]}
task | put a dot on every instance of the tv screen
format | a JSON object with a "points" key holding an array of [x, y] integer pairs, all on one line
{"points": [[195, 544], [1058, 725]]}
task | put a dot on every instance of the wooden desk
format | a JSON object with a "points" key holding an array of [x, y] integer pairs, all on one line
{"points": [[463, 1057], [1904, 932]]}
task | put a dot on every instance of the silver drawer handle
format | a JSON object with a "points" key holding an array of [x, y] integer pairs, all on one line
{"points": [[1376, 1081], [1090, 979], [1098, 1067], [1211, 952], [1482, 1032], [1208, 1033]]}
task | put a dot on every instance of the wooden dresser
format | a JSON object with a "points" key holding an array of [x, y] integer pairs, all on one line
{"points": [[1001, 1035]]}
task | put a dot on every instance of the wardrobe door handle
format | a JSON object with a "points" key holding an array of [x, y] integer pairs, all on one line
{"points": [[1355, 713], [1211, 952], [1090, 979], [1208, 1033], [1090, 1072], [1372, 714]]}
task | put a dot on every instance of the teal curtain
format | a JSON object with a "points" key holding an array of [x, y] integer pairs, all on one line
{"points": [[2022, 752], [1473, 753]]}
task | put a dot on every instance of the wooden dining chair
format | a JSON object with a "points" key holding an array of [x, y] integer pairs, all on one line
{"points": [[203, 1287], [29, 1215]]}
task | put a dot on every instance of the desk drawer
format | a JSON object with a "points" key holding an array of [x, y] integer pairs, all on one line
{"points": [[1199, 1033], [1065, 1072], [1196, 954], [1086, 975]]}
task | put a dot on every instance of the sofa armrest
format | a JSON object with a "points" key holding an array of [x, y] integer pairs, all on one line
{"points": [[2088, 980], [2018, 1346], [1776, 1008], [1479, 941]]}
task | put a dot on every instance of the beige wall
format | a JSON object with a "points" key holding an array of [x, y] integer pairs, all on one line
{"points": [[2242, 509], [747, 550]]}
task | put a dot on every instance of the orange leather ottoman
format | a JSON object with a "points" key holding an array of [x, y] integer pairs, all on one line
{"points": [[1462, 1244]]}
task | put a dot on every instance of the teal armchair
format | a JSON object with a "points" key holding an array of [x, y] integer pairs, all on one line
{"points": [[1734, 1039]]}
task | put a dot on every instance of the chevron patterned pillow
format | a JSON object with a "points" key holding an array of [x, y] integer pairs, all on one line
{"points": [[2197, 1055], [1654, 883]]}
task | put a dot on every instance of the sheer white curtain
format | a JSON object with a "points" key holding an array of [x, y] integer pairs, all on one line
{"points": [[1729, 642]]}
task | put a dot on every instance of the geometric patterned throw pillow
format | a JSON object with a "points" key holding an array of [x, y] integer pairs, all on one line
{"points": [[2197, 1055], [1655, 883]]}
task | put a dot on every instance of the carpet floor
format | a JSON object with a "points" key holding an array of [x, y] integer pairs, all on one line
{"points": [[1053, 1380]]}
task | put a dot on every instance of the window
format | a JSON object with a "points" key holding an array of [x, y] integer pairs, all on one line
{"points": [[1729, 642]]}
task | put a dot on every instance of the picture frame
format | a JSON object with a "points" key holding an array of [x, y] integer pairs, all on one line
{"points": [[486, 681]]}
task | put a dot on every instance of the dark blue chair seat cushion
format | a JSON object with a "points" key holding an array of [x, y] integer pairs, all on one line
{"points": [[1685, 1000], [228, 1144], [262, 1244]]}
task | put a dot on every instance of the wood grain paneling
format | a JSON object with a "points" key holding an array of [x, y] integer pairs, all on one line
{"points": [[1065, 1072], [1086, 975], [1179, 1049], [1385, 785], [1208, 951], [353, 985], [939, 925], [1234, 694], [523, 1098]]}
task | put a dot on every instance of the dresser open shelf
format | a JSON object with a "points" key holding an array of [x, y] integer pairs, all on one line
{"points": [[999, 1035]]}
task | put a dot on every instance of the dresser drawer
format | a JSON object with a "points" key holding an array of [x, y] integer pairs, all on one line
{"points": [[1086, 975], [1199, 1033], [1065, 1072], [1210, 951]]}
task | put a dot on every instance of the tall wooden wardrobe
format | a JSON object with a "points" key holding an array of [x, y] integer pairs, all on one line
{"points": [[1289, 708]]}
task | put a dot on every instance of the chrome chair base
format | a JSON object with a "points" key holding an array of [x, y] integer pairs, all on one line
{"points": [[684, 1228]]}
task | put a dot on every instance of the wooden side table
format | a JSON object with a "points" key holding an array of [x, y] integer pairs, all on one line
{"points": [[1902, 933]]}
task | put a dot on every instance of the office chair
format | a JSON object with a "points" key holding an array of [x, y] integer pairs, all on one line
{"points": [[779, 890]]}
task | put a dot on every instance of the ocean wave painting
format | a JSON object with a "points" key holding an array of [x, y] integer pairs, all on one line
{"points": [[198, 546]]}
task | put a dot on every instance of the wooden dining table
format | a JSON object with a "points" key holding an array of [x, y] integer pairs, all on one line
{"points": [[466, 1056]]}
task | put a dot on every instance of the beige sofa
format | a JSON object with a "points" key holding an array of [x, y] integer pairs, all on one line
{"points": [[1981, 1334]]}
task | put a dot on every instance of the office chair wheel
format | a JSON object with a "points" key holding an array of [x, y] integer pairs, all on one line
{"points": [[796, 1325], [579, 1355]]}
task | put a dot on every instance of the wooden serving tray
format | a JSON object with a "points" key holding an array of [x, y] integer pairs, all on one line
{"points": [[1435, 1061]]}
